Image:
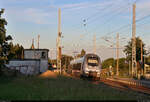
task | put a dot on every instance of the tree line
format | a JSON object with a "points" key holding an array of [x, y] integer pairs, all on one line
{"points": [[125, 63], [8, 50]]}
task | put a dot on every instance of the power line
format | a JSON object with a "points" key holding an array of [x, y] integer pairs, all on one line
{"points": [[120, 8], [130, 24], [101, 15], [145, 17], [84, 21], [122, 27], [136, 1], [127, 25], [108, 13], [99, 11], [107, 21], [93, 15]]}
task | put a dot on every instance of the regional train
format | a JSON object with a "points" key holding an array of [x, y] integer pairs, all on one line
{"points": [[87, 66]]}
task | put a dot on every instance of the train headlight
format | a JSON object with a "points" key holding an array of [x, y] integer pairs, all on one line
{"points": [[87, 71], [98, 74]]}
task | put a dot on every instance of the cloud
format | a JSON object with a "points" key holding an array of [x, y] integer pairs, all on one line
{"points": [[27, 11], [143, 9], [33, 15], [40, 16]]}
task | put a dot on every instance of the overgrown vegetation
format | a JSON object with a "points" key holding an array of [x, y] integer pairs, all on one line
{"points": [[128, 49], [108, 62], [123, 65], [60, 88], [125, 62], [15, 52]]}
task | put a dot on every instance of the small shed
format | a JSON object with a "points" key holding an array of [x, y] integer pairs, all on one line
{"points": [[36, 54], [35, 61]]}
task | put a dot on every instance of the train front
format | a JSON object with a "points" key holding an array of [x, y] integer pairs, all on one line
{"points": [[92, 66]]}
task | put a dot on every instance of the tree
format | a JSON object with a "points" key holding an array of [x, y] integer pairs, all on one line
{"points": [[65, 61], [123, 66], [4, 46], [83, 52], [15, 51], [52, 61], [108, 62], [8, 51], [128, 49]]}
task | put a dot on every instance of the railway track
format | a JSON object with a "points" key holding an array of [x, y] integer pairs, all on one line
{"points": [[132, 85], [121, 84]]}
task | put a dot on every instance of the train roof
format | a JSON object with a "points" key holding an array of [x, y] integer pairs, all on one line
{"points": [[91, 54], [80, 60]]}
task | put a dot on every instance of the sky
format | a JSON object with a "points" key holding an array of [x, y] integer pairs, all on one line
{"points": [[80, 21]]}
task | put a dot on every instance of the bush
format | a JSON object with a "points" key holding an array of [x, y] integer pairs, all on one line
{"points": [[1, 68], [10, 72]]}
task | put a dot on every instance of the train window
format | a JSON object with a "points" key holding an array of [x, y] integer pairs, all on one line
{"points": [[92, 61]]}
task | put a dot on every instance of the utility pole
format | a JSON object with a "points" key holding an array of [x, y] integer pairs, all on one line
{"points": [[22, 55], [94, 44], [32, 47], [58, 41], [65, 63], [142, 55], [129, 68], [134, 64], [141, 51], [38, 41], [117, 46]]}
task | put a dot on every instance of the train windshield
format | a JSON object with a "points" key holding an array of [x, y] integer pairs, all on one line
{"points": [[92, 61]]}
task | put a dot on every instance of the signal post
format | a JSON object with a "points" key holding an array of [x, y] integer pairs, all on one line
{"points": [[58, 42]]}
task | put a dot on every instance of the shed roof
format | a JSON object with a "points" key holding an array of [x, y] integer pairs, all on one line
{"points": [[36, 49], [25, 60]]}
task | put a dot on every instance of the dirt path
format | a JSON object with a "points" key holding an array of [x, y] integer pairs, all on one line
{"points": [[48, 74]]}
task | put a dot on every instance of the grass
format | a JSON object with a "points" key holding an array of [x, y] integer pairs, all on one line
{"points": [[60, 88]]}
